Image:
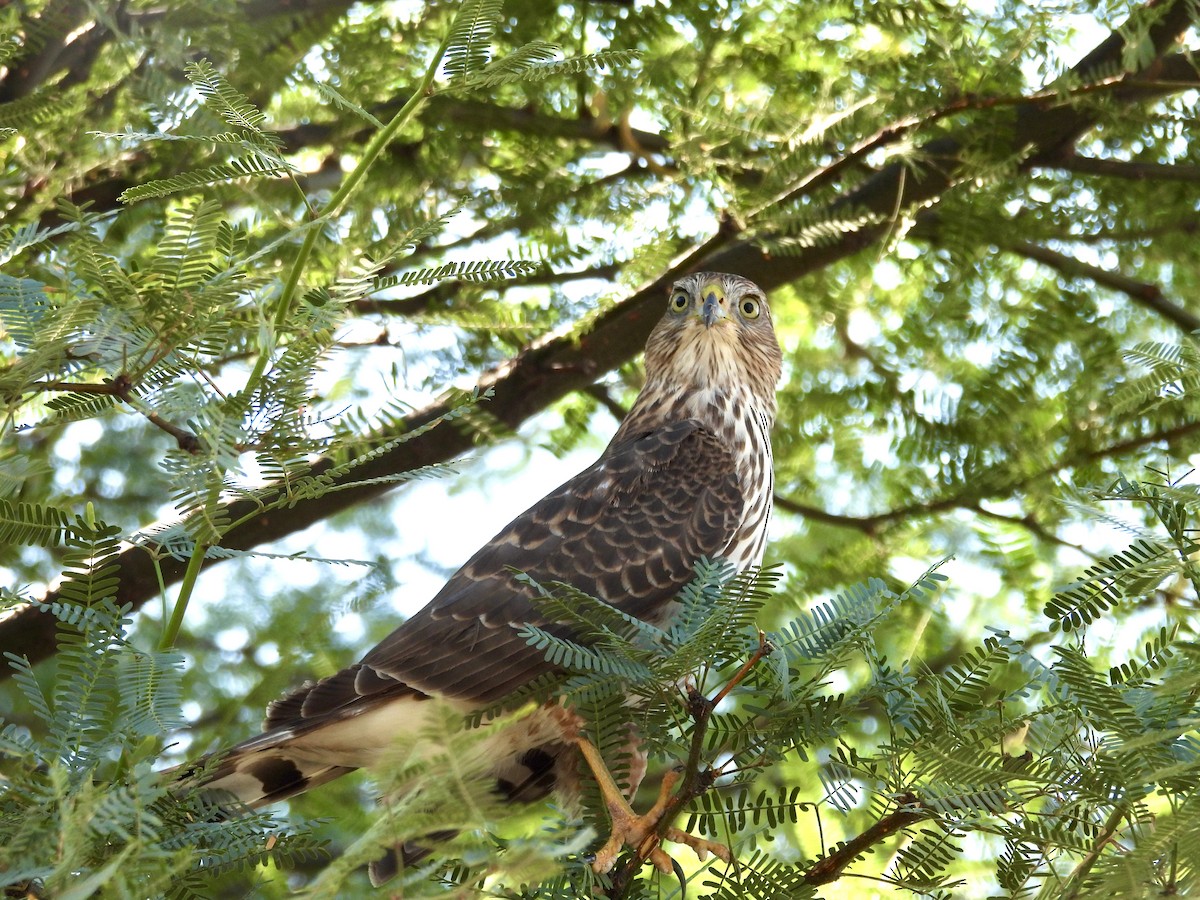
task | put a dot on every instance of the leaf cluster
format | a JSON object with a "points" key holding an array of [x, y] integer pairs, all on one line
{"points": [[81, 809], [247, 247]]}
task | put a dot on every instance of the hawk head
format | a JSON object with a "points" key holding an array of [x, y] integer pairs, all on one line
{"points": [[716, 336]]}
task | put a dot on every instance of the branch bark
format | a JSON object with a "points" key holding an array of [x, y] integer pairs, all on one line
{"points": [[79, 36], [554, 366], [830, 867], [1120, 168]]}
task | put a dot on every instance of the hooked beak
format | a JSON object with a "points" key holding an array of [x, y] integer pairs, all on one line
{"points": [[713, 307]]}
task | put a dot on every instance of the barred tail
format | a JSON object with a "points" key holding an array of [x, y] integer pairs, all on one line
{"points": [[262, 770]]}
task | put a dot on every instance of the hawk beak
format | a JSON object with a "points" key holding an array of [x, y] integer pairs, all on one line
{"points": [[713, 307]]}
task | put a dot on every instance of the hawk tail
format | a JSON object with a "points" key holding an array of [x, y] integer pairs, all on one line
{"points": [[259, 771]]}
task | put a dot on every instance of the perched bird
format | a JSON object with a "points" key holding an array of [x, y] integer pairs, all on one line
{"points": [[687, 475]]}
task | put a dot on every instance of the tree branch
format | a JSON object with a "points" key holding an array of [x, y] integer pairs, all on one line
{"points": [[49, 59], [830, 868], [121, 387], [600, 393], [1034, 527], [1120, 168], [697, 778], [1143, 293], [481, 116], [496, 227], [470, 115], [873, 525], [1105, 236], [1075, 882], [1043, 130]]}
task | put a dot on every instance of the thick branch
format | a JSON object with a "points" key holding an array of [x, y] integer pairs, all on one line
{"points": [[554, 366], [1120, 168], [50, 59]]}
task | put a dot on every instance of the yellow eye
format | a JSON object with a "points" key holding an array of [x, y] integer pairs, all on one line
{"points": [[679, 302], [749, 308]]}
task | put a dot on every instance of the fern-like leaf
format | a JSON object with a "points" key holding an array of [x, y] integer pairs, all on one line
{"points": [[479, 271], [535, 62], [469, 44], [332, 94], [228, 102], [33, 524], [250, 166]]}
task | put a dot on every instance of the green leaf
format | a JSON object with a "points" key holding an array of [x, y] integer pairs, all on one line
{"points": [[469, 44], [250, 166]]}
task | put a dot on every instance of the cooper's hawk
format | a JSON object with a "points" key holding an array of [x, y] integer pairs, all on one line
{"points": [[687, 475]]}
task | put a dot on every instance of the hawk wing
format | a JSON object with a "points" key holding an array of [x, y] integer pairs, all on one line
{"points": [[627, 530]]}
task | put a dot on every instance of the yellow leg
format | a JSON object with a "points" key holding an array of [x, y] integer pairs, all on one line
{"points": [[640, 832]]}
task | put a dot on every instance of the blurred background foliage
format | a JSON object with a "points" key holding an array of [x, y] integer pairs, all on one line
{"points": [[976, 221]]}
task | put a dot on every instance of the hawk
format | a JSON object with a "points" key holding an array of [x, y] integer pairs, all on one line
{"points": [[687, 475]]}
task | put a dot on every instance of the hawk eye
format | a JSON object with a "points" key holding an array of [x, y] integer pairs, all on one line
{"points": [[749, 308], [679, 302]]}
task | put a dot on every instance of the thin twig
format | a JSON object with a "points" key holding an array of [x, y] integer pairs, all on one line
{"points": [[1034, 527], [830, 868], [121, 387], [449, 290], [901, 128], [1079, 874], [367, 158], [765, 648], [873, 525], [1144, 293], [1117, 235]]}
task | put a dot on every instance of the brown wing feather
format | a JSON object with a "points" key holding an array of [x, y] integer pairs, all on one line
{"points": [[628, 530]]}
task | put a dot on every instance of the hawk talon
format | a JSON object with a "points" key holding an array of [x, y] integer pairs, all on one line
{"points": [[641, 832]]}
